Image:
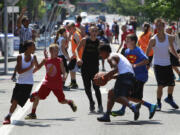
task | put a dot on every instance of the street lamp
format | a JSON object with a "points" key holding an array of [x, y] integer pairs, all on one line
{"points": [[5, 38]]}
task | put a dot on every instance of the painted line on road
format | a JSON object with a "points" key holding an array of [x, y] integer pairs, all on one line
{"points": [[151, 73], [6, 129]]}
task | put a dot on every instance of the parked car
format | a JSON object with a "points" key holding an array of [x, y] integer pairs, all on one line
{"points": [[102, 17], [88, 20], [69, 20], [83, 14]]}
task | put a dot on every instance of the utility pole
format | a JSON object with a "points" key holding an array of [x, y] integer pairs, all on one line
{"points": [[5, 38]]}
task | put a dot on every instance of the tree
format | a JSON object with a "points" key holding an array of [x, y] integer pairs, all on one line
{"points": [[124, 7], [168, 9]]}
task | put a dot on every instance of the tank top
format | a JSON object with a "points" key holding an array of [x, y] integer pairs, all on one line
{"points": [[90, 54], [144, 41], [124, 65], [53, 77], [26, 77], [74, 44], [60, 46], [161, 52]]}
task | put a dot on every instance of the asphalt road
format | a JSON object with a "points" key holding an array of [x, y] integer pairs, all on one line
{"points": [[57, 119]]}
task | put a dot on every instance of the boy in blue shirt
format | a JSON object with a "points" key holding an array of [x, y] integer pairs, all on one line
{"points": [[139, 61]]}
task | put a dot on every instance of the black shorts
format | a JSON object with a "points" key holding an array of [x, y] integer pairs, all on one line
{"points": [[64, 62], [174, 60], [150, 58], [164, 75], [137, 92], [21, 93], [72, 64], [124, 85]]}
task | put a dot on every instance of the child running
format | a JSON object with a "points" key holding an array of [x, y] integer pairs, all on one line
{"points": [[24, 84], [53, 82], [139, 61]]}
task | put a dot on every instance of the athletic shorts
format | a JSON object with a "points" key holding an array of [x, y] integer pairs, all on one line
{"points": [[164, 75], [150, 58], [137, 92], [124, 85], [72, 64], [21, 93], [174, 60], [44, 91], [65, 63]]}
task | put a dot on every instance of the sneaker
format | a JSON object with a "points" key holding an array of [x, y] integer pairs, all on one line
{"points": [[30, 116], [152, 111], [100, 109], [65, 88], [92, 107], [73, 86], [171, 102], [118, 113], [104, 118], [73, 106], [7, 120], [136, 111], [158, 107]]}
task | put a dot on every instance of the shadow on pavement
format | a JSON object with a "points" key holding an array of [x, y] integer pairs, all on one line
{"points": [[94, 113], [73, 90], [34, 124], [171, 111], [2, 91], [140, 122], [60, 119]]}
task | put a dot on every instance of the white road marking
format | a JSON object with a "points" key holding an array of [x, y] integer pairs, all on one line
{"points": [[151, 73], [6, 129]]}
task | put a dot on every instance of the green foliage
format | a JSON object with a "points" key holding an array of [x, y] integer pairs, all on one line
{"points": [[124, 7], [168, 9]]}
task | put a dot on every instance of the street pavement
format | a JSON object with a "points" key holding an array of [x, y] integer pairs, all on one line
{"points": [[57, 119]]}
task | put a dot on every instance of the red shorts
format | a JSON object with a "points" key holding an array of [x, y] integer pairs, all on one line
{"points": [[44, 92], [116, 36]]}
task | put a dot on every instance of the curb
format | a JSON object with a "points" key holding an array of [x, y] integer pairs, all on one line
{"points": [[10, 59]]}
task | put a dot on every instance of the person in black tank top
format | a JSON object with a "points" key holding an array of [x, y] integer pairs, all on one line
{"points": [[90, 66], [90, 56]]}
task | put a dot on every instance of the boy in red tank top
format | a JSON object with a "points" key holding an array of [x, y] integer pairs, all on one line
{"points": [[53, 81]]}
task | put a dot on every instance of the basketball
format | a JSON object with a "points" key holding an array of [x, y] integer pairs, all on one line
{"points": [[99, 79]]}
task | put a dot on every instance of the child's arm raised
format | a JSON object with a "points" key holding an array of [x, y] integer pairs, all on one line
{"points": [[37, 65], [19, 65]]}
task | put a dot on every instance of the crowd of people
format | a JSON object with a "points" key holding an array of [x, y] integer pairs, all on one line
{"points": [[89, 44]]}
